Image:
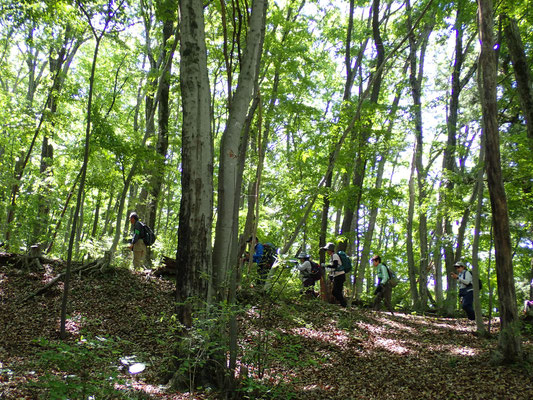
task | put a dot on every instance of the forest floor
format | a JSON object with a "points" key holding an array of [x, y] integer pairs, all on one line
{"points": [[121, 339]]}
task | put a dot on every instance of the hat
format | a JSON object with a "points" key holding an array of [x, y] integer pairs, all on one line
{"points": [[330, 246], [303, 254], [459, 264]]}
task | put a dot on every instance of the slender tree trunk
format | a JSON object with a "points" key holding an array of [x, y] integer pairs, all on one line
{"points": [[88, 126], [475, 246], [96, 219], [410, 248], [65, 207], [522, 73], [156, 181], [369, 233], [230, 175], [509, 339], [351, 208], [415, 79], [66, 288], [449, 163]]}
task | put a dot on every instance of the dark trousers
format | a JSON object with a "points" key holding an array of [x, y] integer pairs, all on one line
{"points": [[338, 286], [262, 273], [383, 292], [467, 302]]}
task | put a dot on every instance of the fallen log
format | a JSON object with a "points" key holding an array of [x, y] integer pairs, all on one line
{"points": [[168, 267]]}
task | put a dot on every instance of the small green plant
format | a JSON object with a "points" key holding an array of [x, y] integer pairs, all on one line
{"points": [[200, 356], [345, 323], [79, 370], [260, 389]]}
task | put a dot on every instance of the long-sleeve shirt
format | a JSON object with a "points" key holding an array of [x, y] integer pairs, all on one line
{"points": [[304, 268], [137, 230], [465, 280], [336, 263], [258, 253], [383, 274]]}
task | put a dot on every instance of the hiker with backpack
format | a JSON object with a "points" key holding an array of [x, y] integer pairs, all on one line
{"points": [[264, 256], [310, 272], [137, 244], [384, 288], [337, 273], [466, 289]]}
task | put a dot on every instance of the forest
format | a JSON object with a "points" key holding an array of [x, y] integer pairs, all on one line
{"points": [[397, 128]]}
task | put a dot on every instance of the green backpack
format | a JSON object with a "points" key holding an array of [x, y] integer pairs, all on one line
{"points": [[346, 262]]}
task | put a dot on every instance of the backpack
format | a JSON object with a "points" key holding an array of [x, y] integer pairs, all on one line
{"points": [[346, 262], [149, 235], [269, 254], [393, 279], [316, 271], [480, 284]]}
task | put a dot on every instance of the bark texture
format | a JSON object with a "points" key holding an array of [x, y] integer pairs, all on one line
{"points": [[509, 340]]}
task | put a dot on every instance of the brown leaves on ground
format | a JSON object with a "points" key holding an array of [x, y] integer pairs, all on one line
{"points": [[303, 350]]}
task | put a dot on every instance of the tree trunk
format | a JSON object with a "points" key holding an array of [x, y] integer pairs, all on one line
{"points": [[374, 208], [475, 246], [449, 164], [196, 205], [410, 248], [88, 126], [415, 79], [509, 339], [522, 74], [230, 175], [351, 209], [156, 181]]}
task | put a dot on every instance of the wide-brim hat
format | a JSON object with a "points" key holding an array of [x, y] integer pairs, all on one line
{"points": [[303, 254], [460, 264], [330, 246]]}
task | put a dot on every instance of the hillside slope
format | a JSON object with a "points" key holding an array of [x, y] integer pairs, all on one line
{"points": [[120, 320]]}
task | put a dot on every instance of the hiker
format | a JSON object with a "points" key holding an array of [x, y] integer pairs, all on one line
{"points": [[384, 288], [262, 258], [258, 250], [137, 243], [336, 273], [466, 289], [308, 274]]}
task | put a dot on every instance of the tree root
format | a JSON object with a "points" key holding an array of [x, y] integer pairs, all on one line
{"points": [[97, 265]]}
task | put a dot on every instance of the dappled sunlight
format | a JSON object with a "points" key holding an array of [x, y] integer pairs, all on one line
{"points": [[462, 351], [73, 324], [394, 346], [339, 336], [409, 334], [399, 327]]}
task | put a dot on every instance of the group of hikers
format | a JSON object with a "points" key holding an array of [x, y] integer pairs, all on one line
{"points": [[264, 256], [311, 272]]}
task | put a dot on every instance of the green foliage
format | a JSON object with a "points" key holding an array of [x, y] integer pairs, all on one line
{"points": [[86, 368]]}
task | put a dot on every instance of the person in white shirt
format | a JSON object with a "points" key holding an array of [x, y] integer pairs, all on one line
{"points": [[466, 289], [306, 273], [336, 274]]}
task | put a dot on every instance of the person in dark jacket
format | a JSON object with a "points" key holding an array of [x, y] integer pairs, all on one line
{"points": [[137, 243]]}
